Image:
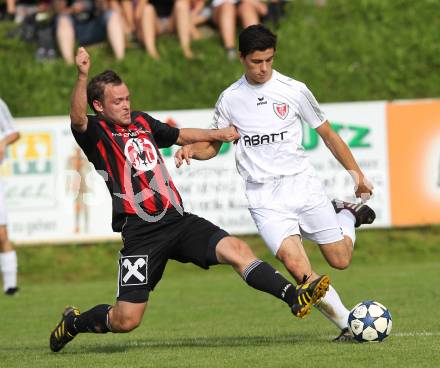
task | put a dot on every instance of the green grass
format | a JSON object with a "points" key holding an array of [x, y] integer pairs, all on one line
{"points": [[200, 318]]}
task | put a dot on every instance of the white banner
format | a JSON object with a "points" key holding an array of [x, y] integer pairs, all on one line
{"points": [[52, 192], [54, 195]]}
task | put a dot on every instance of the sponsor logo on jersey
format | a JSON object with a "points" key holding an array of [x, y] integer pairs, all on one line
{"points": [[131, 133], [133, 270], [261, 101], [141, 154], [257, 139], [281, 109]]}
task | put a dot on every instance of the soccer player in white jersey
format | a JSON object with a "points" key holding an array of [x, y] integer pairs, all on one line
{"points": [[8, 256], [286, 199]]}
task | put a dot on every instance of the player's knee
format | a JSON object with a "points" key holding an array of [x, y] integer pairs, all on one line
{"points": [[235, 251], [340, 263], [292, 261], [126, 325], [298, 268], [242, 250]]}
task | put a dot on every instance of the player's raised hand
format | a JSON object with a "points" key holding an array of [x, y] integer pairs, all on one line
{"points": [[228, 134], [364, 190], [184, 153], [82, 60]]}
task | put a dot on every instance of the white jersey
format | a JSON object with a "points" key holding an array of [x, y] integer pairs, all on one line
{"points": [[268, 118], [7, 123]]}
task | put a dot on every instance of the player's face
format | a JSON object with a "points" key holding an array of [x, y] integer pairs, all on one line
{"points": [[258, 66], [116, 104]]}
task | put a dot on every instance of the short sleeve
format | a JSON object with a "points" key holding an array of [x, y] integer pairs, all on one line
{"points": [[88, 139], [7, 123], [164, 135], [309, 109], [221, 117]]}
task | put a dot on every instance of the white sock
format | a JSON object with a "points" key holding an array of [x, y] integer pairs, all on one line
{"points": [[331, 306], [346, 221], [8, 267]]}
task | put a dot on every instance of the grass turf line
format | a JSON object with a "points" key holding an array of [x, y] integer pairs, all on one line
{"points": [[198, 318]]}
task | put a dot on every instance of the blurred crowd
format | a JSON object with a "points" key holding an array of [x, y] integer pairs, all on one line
{"points": [[57, 26]]}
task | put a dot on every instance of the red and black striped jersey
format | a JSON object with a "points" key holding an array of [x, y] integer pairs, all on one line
{"points": [[129, 160]]}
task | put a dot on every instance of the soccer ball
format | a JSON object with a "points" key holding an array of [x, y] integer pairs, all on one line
{"points": [[369, 321]]}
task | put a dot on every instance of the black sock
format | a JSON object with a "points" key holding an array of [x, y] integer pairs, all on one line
{"points": [[262, 276], [94, 320]]}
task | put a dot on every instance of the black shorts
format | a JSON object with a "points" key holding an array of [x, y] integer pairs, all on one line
{"points": [[148, 246]]}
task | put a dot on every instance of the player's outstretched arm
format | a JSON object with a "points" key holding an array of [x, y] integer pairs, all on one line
{"points": [[193, 135], [205, 143], [340, 150], [78, 103], [198, 151]]}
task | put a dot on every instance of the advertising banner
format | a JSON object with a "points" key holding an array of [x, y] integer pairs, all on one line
{"points": [[53, 194], [414, 149]]}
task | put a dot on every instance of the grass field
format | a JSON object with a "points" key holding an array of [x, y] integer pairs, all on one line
{"points": [[200, 318]]}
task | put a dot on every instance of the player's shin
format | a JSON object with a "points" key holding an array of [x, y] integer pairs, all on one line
{"points": [[331, 306], [94, 320], [262, 276]]}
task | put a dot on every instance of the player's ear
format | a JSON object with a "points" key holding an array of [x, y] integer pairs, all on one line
{"points": [[97, 106], [241, 57]]}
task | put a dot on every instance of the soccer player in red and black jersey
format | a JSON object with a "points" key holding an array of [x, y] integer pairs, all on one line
{"points": [[123, 145]]}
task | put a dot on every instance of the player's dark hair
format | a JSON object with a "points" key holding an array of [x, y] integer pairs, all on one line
{"points": [[96, 86], [256, 38]]}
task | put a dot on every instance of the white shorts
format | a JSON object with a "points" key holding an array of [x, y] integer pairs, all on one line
{"points": [[3, 218], [293, 205]]}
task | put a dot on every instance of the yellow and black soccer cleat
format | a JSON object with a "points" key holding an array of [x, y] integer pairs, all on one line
{"points": [[60, 336], [308, 294]]}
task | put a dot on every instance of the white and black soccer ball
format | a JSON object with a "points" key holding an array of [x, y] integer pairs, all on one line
{"points": [[370, 321]]}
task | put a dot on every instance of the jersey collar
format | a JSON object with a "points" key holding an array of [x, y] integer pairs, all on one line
{"points": [[258, 86]]}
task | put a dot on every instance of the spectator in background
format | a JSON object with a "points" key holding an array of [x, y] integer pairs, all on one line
{"points": [[250, 12], [225, 13], [8, 256], [7, 10], [19, 10], [276, 10], [224, 16], [87, 22], [165, 16], [126, 10], [200, 14], [35, 26]]}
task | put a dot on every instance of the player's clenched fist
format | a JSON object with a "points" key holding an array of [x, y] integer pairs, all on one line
{"points": [[82, 60], [364, 190], [229, 134]]}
